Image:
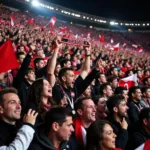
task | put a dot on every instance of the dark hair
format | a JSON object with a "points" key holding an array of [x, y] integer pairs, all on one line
{"points": [[133, 90], [28, 70], [114, 101], [64, 61], [35, 91], [95, 135], [57, 114], [63, 72], [79, 103], [119, 90], [103, 87], [111, 78], [145, 113], [19, 53], [96, 98], [37, 60], [128, 72], [144, 89], [6, 91], [145, 80]]}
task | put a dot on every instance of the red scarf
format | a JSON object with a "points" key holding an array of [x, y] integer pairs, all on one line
{"points": [[78, 131]]}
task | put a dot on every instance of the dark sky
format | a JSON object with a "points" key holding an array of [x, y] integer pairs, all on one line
{"points": [[138, 10]]}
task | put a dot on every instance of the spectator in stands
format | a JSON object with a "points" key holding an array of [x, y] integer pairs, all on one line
{"points": [[143, 133], [117, 117], [113, 80], [39, 98], [86, 112], [146, 96], [114, 71], [122, 91], [146, 81], [100, 136], [106, 90], [10, 112], [101, 108], [56, 131], [134, 103]]}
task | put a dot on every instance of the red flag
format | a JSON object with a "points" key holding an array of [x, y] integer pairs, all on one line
{"points": [[144, 146], [12, 18], [128, 82], [52, 22], [30, 21], [101, 38], [8, 58], [62, 30], [140, 49]]}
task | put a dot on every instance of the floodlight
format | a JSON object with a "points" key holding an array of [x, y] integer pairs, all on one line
{"points": [[35, 3]]}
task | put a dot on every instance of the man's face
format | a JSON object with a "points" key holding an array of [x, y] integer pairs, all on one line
{"points": [[137, 95], [68, 64], [125, 94], [109, 91], [40, 64], [148, 82], [115, 83], [69, 78], [30, 76], [147, 93], [11, 108], [21, 58], [65, 130], [88, 111], [122, 109], [115, 72], [102, 78]]}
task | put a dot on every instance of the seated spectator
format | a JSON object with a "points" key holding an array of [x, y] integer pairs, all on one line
{"points": [[146, 96], [134, 103], [101, 108], [39, 98], [143, 133], [100, 136], [122, 91], [117, 117], [56, 131], [11, 137], [86, 112]]}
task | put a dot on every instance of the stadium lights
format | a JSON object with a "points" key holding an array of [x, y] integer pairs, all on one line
{"points": [[143, 24], [112, 23], [35, 3], [147, 24]]}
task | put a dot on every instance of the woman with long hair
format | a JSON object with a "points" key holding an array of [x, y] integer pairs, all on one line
{"points": [[40, 97], [100, 136]]}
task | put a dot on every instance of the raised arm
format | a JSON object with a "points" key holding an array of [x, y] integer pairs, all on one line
{"points": [[52, 62], [86, 67]]}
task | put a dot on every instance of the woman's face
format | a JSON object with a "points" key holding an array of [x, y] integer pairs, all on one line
{"points": [[108, 141], [47, 89]]}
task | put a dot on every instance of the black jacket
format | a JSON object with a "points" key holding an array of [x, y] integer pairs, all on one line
{"points": [[41, 142], [7, 133], [138, 138], [122, 134]]}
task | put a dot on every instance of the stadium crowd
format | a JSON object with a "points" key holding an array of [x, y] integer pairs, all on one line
{"points": [[67, 96]]}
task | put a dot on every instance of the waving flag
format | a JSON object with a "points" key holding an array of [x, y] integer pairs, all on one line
{"points": [[128, 82], [52, 22], [144, 146], [115, 48], [12, 18], [101, 38], [30, 21], [8, 58], [111, 41]]}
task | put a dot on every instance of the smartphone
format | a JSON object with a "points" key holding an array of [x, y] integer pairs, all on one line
{"points": [[64, 40]]}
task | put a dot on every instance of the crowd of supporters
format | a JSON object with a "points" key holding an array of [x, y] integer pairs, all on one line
{"points": [[67, 96]]}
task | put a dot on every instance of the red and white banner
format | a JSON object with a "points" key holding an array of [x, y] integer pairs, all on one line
{"points": [[115, 48], [52, 21], [128, 82], [144, 146]]}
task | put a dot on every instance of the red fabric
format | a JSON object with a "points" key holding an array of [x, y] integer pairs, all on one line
{"points": [[78, 130], [101, 39], [30, 21], [8, 59]]}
